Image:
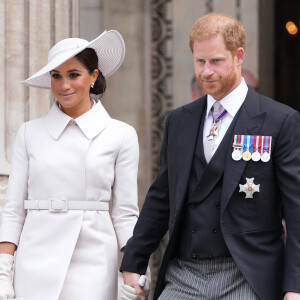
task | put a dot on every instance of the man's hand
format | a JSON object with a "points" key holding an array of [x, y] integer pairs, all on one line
{"points": [[131, 289], [291, 296]]}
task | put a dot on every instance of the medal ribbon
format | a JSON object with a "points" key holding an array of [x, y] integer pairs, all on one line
{"points": [[269, 145], [246, 145], [235, 142], [242, 142], [250, 137], [259, 144], [255, 139], [220, 117], [239, 141], [266, 144]]}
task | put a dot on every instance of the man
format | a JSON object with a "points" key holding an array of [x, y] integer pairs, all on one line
{"points": [[223, 180]]}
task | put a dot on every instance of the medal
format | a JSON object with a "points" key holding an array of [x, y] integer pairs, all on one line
{"points": [[257, 143], [265, 157], [255, 147], [214, 131], [237, 153], [249, 188], [256, 156], [247, 153]]}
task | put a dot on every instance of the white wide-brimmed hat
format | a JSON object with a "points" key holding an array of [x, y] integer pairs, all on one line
{"points": [[109, 46]]}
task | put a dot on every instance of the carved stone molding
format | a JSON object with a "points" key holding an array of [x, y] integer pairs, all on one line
{"points": [[162, 98], [161, 73]]}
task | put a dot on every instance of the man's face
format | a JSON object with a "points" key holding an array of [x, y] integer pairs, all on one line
{"points": [[216, 69]]}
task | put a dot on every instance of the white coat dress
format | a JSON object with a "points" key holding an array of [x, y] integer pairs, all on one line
{"points": [[71, 255]]}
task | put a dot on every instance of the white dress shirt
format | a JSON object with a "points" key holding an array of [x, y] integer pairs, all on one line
{"points": [[232, 103]]}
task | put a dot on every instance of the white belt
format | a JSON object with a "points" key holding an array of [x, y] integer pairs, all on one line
{"points": [[58, 205]]}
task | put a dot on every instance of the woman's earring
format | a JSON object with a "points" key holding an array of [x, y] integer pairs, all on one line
{"points": [[92, 84]]}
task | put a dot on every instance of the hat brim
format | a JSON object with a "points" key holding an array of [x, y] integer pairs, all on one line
{"points": [[109, 46]]}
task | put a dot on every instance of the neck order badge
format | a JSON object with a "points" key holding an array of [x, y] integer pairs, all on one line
{"points": [[216, 118]]}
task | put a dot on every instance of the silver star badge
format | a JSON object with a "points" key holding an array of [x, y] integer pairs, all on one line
{"points": [[213, 132], [249, 188]]}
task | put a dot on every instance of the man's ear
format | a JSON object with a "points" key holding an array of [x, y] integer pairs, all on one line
{"points": [[240, 55]]}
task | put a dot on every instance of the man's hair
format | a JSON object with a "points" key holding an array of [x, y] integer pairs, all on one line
{"points": [[212, 24]]}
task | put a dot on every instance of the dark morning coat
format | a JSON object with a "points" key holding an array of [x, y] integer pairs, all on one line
{"points": [[252, 228]]}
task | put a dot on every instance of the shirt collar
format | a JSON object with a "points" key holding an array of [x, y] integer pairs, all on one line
{"points": [[231, 102], [91, 123]]}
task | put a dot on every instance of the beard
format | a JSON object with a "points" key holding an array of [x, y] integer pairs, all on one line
{"points": [[223, 85]]}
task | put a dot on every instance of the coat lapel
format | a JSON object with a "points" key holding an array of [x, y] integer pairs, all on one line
{"points": [[249, 121], [186, 143]]}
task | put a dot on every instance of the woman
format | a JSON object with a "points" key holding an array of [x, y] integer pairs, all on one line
{"points": [[66, 168]]}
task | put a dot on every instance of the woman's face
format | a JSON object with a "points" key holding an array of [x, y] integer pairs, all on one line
{"points": [[70, 83]]}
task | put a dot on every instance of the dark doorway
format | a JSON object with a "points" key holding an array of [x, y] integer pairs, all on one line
{"points": [[287, 52]]}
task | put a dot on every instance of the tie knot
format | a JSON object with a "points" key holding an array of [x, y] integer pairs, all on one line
{"points": [[217, 109]]}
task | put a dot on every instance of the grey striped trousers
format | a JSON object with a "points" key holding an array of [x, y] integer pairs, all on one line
{"points": [[209, 279]]}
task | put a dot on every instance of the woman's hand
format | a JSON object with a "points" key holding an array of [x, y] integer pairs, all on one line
{"points": [[6, 280]]}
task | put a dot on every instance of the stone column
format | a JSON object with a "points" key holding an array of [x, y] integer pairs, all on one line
{"points": [[28, 29]]}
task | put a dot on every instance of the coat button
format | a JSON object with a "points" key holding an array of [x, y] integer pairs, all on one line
{"points": [[193, 231], [194, 255], [218, 205], [215, 230]]}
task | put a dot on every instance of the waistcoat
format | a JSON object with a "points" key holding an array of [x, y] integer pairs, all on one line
{"points": [[200, 232]]}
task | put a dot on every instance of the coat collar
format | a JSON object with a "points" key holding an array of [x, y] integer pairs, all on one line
{"points": [[91, 123]]}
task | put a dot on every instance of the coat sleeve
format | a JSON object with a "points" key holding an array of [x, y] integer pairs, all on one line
{"points": [[287, 168], [13, 214], [153, 221], [124, 194]]}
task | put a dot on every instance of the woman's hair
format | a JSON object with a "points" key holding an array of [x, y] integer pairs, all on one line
{"points": [[88, 57], [212, 24]]}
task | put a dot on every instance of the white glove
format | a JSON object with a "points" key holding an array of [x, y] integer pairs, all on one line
{"points": [[6, 270], [129, 293], [145, 282]]}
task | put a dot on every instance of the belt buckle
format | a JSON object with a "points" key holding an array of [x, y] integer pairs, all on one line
{"points": [[63, 209]]}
